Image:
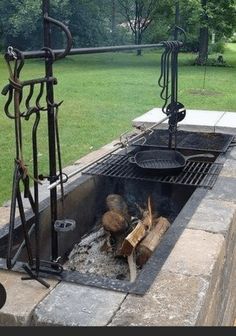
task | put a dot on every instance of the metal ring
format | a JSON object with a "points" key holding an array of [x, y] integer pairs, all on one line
{"points": [[64, 179], [50, 53]]}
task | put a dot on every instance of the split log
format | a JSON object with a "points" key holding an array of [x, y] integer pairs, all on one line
{"points": [[147, 212], [132, 267], [132, 240], [151, 241], [139, 232], [147, 217]]}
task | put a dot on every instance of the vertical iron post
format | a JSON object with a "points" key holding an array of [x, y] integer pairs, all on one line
{"points": [[177, 20], [174, 97], [176, 51], [51, 131]]}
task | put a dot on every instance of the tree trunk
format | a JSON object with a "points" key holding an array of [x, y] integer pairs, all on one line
{"points": [[203, 37], [138, 32], [113, 22], [203, 46], [138, 42]]}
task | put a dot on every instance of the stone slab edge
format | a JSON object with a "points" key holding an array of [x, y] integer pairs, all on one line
{"points": [[216, 127]]}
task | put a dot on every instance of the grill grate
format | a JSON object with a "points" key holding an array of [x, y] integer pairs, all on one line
{"points": [[214, 142], [195, 173]]}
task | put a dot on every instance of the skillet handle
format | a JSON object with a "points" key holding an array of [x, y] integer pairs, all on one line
{"points": [[211, 156], [132, 159]]}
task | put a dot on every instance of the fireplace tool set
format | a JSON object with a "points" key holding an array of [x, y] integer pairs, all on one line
{"points": [[33, 98]]}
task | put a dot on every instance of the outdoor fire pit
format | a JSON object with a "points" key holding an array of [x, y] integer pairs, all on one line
{"points": [[140, 242], [80, 250]]}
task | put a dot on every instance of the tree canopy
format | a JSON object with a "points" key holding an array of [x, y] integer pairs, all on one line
{"points": [[109, 22]]}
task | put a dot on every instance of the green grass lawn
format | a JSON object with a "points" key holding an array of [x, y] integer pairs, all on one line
{"points": [[102, 94]]}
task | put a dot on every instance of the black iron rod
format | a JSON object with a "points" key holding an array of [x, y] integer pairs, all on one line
{"points": [[24, 226], [177, 19], [39, 81], [174, 96], [12, 217], [22, 246], [36, 192], [51, 132], [97, 50]]}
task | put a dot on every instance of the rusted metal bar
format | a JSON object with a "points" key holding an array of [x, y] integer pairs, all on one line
{"points": [[39, 81], [98, 50]]}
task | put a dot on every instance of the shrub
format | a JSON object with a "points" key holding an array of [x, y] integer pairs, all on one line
{"points": [[233, 39], [217, 48]]}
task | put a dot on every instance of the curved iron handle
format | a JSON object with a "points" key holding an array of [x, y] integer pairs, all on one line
{"points": [[181, 30], [18, 57], [203, 155], [66, 31]]}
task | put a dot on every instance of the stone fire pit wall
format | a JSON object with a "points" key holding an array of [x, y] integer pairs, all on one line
{"points": [[194, 287]]}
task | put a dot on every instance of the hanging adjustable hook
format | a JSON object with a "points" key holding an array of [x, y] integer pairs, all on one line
{"points": [[67, 33], [164, 79], [169, 75], [14, 73]]}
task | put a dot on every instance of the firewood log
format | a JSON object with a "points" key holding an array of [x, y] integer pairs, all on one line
{"points": [[132, 240], [132, 267], [147, 219], [116, 203], [114, 222], [139, 232], [151, 241]]}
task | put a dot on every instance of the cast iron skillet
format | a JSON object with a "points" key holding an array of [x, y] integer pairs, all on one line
{"points": [[163, 161]]}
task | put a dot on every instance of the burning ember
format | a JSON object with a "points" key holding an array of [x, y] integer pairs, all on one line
{"points": [[120, 244]]}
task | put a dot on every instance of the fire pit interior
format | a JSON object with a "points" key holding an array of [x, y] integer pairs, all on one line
{"points": [[80, 250], [103, 251]]}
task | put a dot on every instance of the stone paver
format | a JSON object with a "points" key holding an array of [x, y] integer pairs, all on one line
{"points": [[4, 220], [213, 216], [151, 117], [173, 300], [229, 169], [4, 216], [227, 124], [74, 305], [196, 253], [22, 298], [195, 120], [232, 154], [223, 190]]}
